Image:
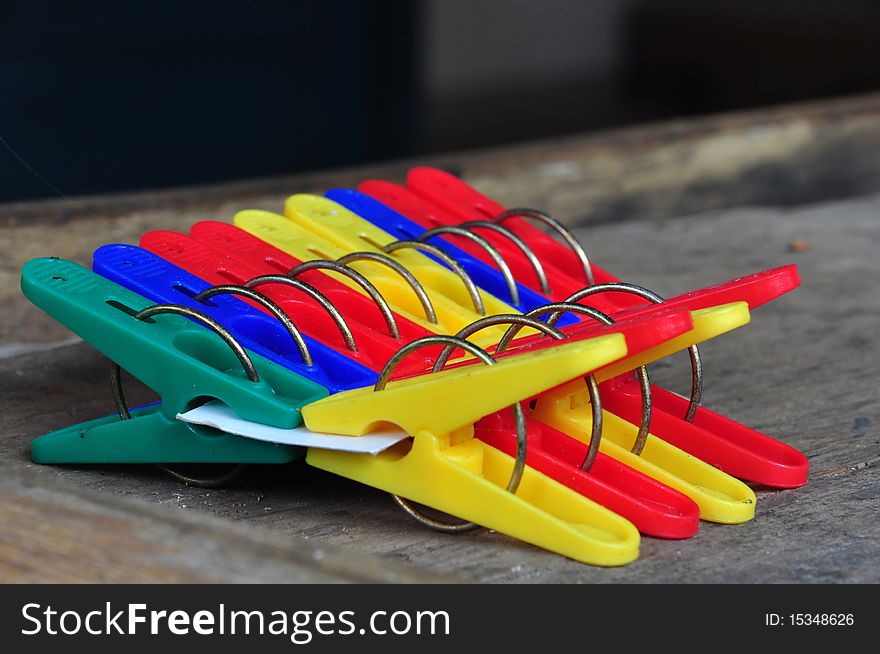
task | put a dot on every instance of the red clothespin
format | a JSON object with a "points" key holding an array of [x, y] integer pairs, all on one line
{"points": [[755, 289], [735, 448], [435, 198], [220, 253]]}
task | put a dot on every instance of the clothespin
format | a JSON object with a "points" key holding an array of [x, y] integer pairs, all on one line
{"points": [[224, 254], [445, 468], [735, 448], [180, 360], [434, 198], [499, 282]]}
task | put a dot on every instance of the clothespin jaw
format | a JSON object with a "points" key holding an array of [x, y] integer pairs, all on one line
{"points": [[180, 360], [467, 479], [708, 323], [756, 290], [150, 436], [642, 333], [446, 468]]}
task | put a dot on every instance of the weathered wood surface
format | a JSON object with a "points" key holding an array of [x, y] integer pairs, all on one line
{"points": [[60, 533], [805, 370]]}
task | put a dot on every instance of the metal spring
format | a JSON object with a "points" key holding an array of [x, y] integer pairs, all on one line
{"points": [[472, 290], [512, 288], [517, 322], [400, 269], [271, 306], [315, 294], [240, 353], [519, 416], [556, 226], [533, 259], [693, 351], [556, 309], [355, 276]]}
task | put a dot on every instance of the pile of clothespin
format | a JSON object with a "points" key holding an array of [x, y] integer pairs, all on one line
{"points": [[426, 341]]}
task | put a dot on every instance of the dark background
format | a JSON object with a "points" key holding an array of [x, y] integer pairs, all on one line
{"points": [[111, 96]]}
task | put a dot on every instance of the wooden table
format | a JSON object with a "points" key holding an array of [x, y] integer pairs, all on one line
{"points": [[671, 206]]}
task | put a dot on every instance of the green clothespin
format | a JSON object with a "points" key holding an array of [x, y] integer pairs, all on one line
{"points": [[176, 357]]}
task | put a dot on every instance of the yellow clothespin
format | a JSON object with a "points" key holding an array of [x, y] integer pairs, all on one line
{"points": [[350, 232], [445, 468], [721, 498], [307, 245]]}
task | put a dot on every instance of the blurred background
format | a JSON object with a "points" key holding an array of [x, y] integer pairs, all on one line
{"points": [[110, 96]]}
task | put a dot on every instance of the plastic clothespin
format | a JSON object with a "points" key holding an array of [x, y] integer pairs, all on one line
{"points": [[305, 245], [444, 467], [404, 229], [735, 448], [156, 279], [352, 233], [180, 360], [215, 258], [756, 289], [459, 202]]}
